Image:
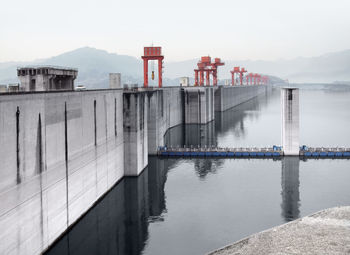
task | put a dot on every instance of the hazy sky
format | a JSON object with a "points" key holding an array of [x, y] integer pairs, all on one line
{"points": [[230, 29]]}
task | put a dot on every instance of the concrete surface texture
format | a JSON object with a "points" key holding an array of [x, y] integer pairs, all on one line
{"points": [[135, 133], [59, 153], [325, 232], [199, 105], [227, 97], [165, 111]]}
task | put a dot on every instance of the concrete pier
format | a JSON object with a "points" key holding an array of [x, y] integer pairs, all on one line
{"points": [[199, 105], [61, 151], [290, 121]]}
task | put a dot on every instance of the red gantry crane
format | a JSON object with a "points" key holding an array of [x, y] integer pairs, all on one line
{"points": [[241, 72], [203, 67], [249, 78], [215, 65], [233, 72], [152, 53]]}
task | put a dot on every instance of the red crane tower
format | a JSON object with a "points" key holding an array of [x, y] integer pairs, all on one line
{"points": [[250, 78], [152, 53], [233, 72], [203, 67], [205, 62], [217, 62], [241, 72]]}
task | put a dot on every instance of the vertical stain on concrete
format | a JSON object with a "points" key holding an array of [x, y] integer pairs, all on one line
{"points": [[115, 117], [39, 171], [39, 148], [17, 146], [95, 127], [162, 103], [66, 157]]}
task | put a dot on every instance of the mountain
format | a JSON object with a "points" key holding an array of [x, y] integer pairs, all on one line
{"points": [[322, 69], [94, 65]]}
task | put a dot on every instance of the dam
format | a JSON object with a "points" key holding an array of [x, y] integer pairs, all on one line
{"points": [[63, 150]]}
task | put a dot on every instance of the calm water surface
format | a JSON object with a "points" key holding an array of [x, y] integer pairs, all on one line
{"points": [[193, 206]]}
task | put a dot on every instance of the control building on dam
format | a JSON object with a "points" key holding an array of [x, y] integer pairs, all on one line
{"points": [[63, 150]]}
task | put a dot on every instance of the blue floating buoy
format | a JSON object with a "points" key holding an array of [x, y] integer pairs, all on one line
{"points": [[338, 154], [276, 154], [194, 153], [230, 154], [178, 153], [187, 154], [331, 154], [323, 154], [201, 153], [315, 154], [307, 154], [245, 154], [346, 154], [238, 154], [260, 154], [252, 154], [268, 154], [216, 154], [165, 153], [223, 154]]}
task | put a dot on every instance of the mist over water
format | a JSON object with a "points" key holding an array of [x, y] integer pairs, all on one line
{"points": [[193, 206]]}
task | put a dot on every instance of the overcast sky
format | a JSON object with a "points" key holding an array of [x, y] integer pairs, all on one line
{"points": [[186, 29]]}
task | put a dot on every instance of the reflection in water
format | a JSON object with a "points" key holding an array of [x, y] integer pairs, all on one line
{"points": [[118, 224], [205, 166], [290, 188], [234, 118]]}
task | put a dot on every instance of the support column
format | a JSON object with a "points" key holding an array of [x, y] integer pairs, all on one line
{"points": [[207, 78], [196, 77], [215, 77], [233, 79], [201, 78], [160, 73], [145, 73]]}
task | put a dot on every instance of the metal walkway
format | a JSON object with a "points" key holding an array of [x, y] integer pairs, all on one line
{"points": [[268, 152]]}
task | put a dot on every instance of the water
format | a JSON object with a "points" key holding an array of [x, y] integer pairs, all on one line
{"points": [[193, 206]]}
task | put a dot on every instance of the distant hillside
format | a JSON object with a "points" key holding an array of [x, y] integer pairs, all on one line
{"points": [[94, 66], [324, 69]]}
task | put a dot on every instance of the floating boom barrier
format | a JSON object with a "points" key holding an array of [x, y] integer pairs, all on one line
{"points": [[251, 152]]}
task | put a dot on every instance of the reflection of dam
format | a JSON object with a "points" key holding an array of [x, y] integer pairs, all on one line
{"points": [[119, 223], [290, 188]]}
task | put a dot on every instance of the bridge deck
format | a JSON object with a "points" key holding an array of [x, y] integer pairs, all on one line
{"points": [[268, 152]]}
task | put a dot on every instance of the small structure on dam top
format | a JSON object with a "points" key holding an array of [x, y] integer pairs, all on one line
{"points": [[115, 81], [290, 121], [46, 78]]}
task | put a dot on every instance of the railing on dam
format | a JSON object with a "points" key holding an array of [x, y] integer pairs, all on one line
{"points": [[251, 152]]}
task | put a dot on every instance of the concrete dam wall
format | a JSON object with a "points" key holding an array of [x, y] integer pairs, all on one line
{"points": [[62, 151]]}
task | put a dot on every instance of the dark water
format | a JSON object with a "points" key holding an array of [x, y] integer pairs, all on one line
{"points": [[193, 206]]}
